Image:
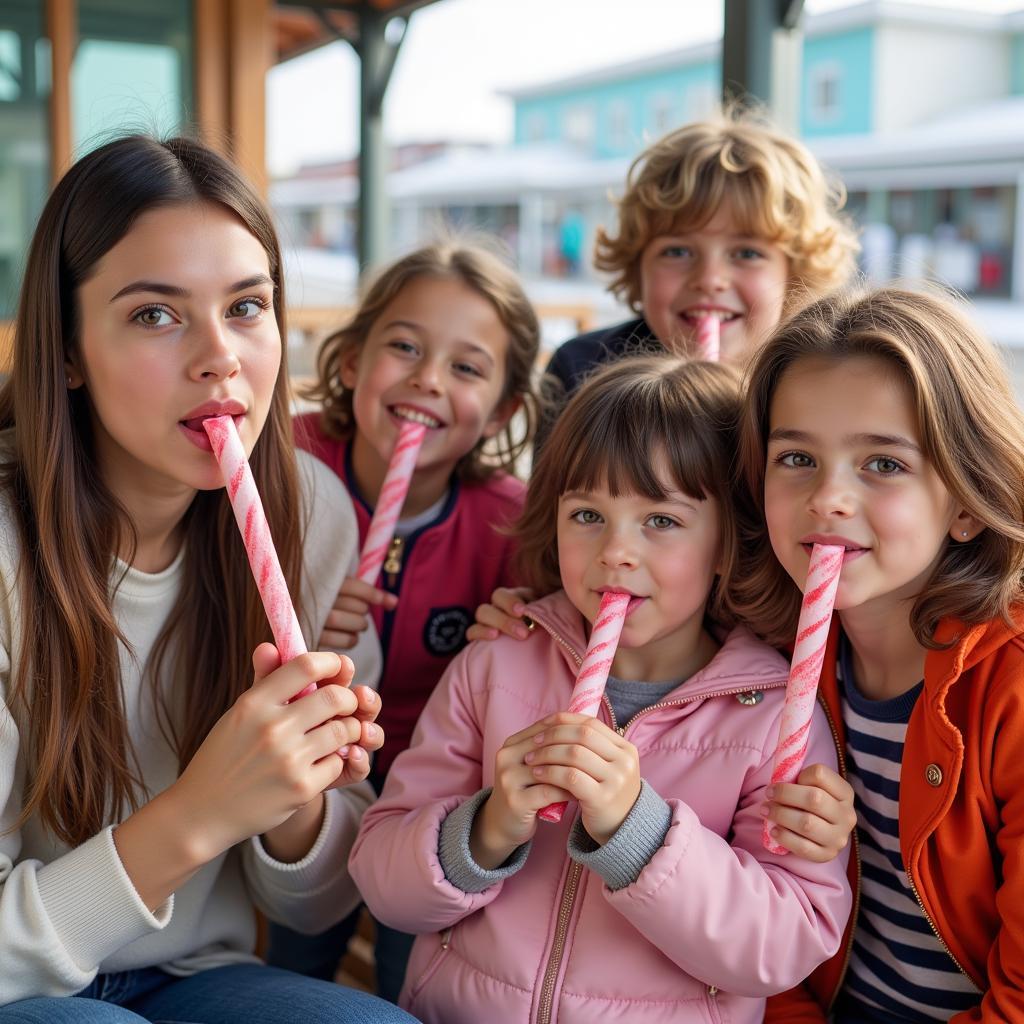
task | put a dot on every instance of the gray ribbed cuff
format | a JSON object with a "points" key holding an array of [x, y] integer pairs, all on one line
{"points": [[454, 854], [639, 837]]}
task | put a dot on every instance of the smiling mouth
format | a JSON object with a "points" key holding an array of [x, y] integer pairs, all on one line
{"points": [[404, 412], [695, 316]]}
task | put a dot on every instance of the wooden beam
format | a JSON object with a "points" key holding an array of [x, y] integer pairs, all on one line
{"points": [[250, 58], [6, 345], [62, 28], [210, 21]]}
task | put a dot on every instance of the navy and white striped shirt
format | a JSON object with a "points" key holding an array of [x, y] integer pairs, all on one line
{"points": [[899, 971]]}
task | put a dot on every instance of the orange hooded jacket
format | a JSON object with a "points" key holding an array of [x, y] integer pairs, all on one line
{"points": [[961, 818]]}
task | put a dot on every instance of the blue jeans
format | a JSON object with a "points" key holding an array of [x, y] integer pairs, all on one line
{"points": [[239, 994]]}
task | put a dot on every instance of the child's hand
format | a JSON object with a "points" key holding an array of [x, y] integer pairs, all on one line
{"points": [[351, 613], [508, 817], [371, 737], [503, 615], [594, 764], [814, 816], [266, 758]]}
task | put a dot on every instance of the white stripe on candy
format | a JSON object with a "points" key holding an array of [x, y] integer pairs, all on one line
{"points": [[259, 545], [593, 673], [390, 501], [805, 669]]}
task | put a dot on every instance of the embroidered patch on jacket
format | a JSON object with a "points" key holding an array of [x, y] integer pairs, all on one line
{"points": [[445, 631]]}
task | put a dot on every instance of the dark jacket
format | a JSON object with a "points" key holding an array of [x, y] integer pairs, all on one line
{"points": [[579, 357]]}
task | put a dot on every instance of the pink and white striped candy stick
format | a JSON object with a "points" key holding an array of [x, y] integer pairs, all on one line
{"points": [[593, 673], [390, 501], [805, 670], [708, 330], [259, 546]]}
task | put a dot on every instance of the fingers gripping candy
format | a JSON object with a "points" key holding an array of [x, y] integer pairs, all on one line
{"points": [[593, 673], [805, 670], [259, 546], [390, 501], [708, 330]]}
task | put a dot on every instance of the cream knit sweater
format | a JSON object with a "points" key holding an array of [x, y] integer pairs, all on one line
{"points": [[67, 914]]}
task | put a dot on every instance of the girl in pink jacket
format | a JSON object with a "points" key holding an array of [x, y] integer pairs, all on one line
{"points": [[653, 900]]}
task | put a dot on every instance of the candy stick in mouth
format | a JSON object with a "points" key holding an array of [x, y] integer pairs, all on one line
{"points": [[708, 329], [593, 673], [805, 670], [390, 501], [259, 546]]}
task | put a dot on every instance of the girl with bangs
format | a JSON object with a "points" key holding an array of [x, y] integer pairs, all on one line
{"points": [[885, 424], [155, 779], [654, 900]]}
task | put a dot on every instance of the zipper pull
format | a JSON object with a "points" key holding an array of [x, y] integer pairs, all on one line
{"points": [[393, 560]]}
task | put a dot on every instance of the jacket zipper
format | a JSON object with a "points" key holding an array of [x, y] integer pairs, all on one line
{"points": [[576, 870], [713, 1008], [393, 560], [432, 966], [942, 941], [841, 758], [547, 990]]}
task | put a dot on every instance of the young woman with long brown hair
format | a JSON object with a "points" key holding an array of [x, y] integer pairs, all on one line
{"points": [[153, 784]]}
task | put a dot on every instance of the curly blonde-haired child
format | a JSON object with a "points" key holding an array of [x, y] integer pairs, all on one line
{"points": [[725, 218]]}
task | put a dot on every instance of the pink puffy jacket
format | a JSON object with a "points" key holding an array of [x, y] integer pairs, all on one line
{"points": [[713, 924]]}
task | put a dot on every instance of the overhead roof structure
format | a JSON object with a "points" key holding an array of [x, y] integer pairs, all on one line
{"points": [[752, 33], [303, 25]]}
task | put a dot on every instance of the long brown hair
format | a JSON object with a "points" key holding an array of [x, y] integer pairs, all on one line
{"points": [[610, 433], [486, 273], [972, 432], [83, 772]]}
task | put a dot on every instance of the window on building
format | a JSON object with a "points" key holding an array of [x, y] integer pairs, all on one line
{"points": [[132, 69], [24, 144], [579, 127], [662, 113], [962, 237], [618, 125], [824, 82], [535, 127], [702, 100]]}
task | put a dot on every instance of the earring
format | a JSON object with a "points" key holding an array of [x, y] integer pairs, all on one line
{"points": [[964, 533]]}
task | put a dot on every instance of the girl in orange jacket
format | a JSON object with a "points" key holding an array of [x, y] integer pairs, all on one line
{"points": [[883, 423]]}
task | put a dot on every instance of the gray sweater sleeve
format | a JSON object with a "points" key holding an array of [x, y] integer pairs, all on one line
{"points": [[454, 854], [639, 837]]}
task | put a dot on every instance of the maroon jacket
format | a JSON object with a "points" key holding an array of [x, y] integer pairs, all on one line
{"points": [[447, 569]]}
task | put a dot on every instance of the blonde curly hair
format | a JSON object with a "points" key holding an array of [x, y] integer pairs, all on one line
{"points": [[775, 188]]}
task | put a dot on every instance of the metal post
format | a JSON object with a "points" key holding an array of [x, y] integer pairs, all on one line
{"points": [[377, 57], [759, 35]]}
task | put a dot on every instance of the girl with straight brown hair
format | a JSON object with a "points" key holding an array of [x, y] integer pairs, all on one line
{"points": [[153, 783], [884, 423]]}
